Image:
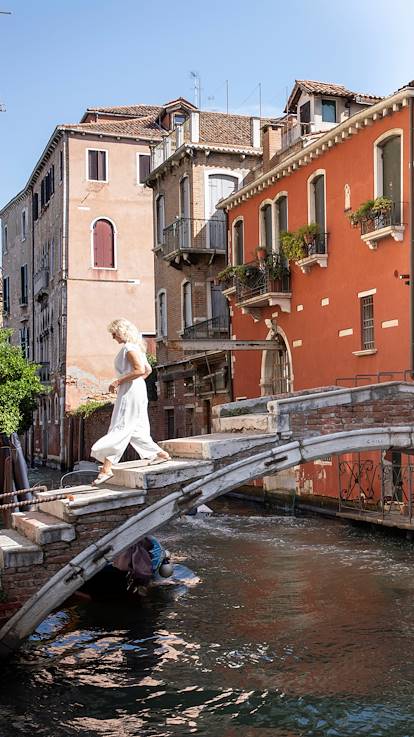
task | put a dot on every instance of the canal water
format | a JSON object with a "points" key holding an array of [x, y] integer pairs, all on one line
{"points": [[273, 627]]}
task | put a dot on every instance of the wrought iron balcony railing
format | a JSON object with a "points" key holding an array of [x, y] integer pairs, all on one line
{"points": [[194, 234], [376, 221], [318, 245], [216, 327], [270, 277]]}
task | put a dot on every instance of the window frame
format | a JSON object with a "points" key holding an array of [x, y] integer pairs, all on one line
{"points": [[330, 103], [377, 145], [239, 220], [159, 198], [367, 301], [184, 284], [104, 268], [6, 291], [23, 224], [277, 231], [160, 324], [106, 152], [138, 159], [311, 199], [24, 285], [5, 239], [262, 225]]}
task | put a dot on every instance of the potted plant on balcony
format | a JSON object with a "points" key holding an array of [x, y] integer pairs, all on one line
{"points": [[261, 253], [308, 233], [292, 246], [225, 277], [370, 209]]}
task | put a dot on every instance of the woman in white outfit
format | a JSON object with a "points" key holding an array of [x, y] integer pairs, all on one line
{"points": [[129, 421]]}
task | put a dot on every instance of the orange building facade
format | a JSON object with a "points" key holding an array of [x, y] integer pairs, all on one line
{"points": [[340, 314]]}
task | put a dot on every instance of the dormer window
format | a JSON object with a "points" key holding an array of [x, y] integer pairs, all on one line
{"points": [[328, 111], [178, 119]]}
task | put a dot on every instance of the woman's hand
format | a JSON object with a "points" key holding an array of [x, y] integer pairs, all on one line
{"points": [[114, 386]]}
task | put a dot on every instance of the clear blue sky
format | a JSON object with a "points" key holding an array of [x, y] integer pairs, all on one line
{"points": [[58, 57]]}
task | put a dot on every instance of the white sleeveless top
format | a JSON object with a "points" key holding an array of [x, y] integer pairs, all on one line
{"points": [[122, 365]]}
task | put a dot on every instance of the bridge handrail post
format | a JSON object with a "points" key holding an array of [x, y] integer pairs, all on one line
{"points": [[382, 485]]}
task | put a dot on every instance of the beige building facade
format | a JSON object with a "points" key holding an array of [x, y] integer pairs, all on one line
{"points": [[77, 253]]}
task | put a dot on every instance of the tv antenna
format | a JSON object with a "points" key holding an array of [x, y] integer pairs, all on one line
{"points": [[197, 89]]}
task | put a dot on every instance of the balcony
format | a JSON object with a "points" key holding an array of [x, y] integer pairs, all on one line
{"points": [[317, 253], [43, 371], [40, 281], [216, 327], [189, 239], [383, 225], [184, 133], [264, 284]]}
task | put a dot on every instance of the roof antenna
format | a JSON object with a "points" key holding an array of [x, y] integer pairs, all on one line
{"points": [[197, 89]]}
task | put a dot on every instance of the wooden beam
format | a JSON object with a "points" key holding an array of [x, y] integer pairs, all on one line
{"points": [[222, 345]]}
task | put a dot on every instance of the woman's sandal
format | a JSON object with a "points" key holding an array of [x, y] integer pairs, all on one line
{"points": [[159, 459], [101, 478]]}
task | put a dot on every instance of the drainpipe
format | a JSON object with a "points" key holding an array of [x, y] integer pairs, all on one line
{"points": [[31, 436], [63, 287], [411, 226]]}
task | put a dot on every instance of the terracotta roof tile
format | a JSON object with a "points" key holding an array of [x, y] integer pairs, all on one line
{"points": [[135, 111], [135, 127], [225, 129], [326, 88]]}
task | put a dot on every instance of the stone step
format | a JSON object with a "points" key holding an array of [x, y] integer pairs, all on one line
{"points": [[81, 500], [216, 445], [244, 423], [136, 474], [42, 528], [16, 550]]}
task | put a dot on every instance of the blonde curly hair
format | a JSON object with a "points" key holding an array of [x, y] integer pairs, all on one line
{"points": [[127, 331]]}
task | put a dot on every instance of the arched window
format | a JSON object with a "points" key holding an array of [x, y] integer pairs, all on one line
{"points": [[388, 166], [317, 203], [187, 308], [281, 218], [103, 245], [266, 234], [159, 219], [238, 243]]}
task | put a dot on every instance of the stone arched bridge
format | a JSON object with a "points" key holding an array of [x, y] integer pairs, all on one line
{"points": [[50, 552]]}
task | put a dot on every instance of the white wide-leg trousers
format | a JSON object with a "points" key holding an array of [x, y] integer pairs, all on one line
{"points": [[129, 424]]}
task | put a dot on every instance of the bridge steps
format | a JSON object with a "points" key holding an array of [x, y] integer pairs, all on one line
{"points": [[16, 550], [42, 528], [84, 500], [217, 445], [134, 475]]}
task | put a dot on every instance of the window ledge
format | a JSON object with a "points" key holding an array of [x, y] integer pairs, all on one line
{"points": [[316, 258], [393, 231], [158, 248], [160, 338], [367, 352]]}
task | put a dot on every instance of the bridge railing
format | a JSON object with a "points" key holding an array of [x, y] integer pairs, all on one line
{"points": [[378, 489]]}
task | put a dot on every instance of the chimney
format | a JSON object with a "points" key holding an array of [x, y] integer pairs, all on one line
{"points": [[195, 127], [272, 143], [255, 132]]}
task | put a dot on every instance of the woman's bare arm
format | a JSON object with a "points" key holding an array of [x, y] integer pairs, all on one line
{"points": [[140, 368]]}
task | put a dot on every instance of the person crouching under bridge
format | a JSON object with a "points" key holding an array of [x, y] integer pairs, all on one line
{"points": [[129, 421]]}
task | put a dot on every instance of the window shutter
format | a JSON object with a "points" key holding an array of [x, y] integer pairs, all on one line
{"points": [[92, 165], [101, 165], [144, 167], [103, 245]]}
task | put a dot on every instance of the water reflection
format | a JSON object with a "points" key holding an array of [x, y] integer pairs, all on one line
{"points": [[289, 627]]}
